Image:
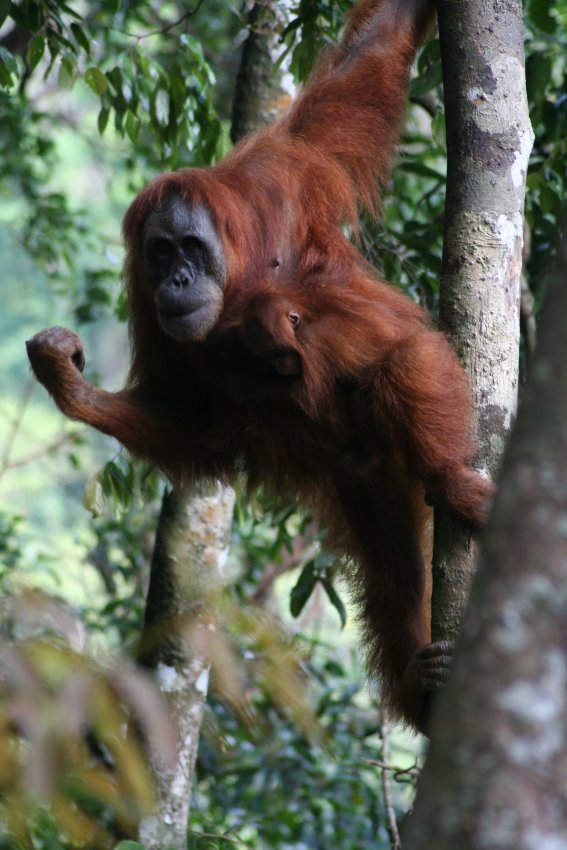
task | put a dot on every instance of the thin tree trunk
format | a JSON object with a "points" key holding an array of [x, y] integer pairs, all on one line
{"points": [[190, 551], [489, 138], [496, 775], [259, 96]]}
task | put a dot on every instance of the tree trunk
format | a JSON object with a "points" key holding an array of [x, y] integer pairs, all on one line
{"points": [[489, 138], [259, 96], [190, 551], [496, 776]]}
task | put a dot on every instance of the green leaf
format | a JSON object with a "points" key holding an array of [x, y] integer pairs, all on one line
{"points": [[9, 64], [67, 72], [5, 77], [64, 7], [26, 15], [36, 51], [303, 589], [93, 496], [96, 81], [9, 60], [8, 67], [427, 81], [115, 77], [132, 126], [116, 484], [162, 107], [54, 51], [81, 38], [335, 600], [129, 845], [102, 120], [142, 62], [438, 129]]}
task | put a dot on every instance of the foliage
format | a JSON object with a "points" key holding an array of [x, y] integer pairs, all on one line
{"points": [[289, 793], [68, 767], [314, 25], [133, 88], [546, 77], [123, 497], [284, 539]]}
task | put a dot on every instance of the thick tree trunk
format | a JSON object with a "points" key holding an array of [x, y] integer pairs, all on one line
{"points": [[496, 776], [489, 138]]}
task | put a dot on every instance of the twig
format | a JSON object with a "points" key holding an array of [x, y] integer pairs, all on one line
{"points": [[13, 432], [302, 551], [208, 836], [163, 30], [392, 823], [39, 453], [399, 774]]}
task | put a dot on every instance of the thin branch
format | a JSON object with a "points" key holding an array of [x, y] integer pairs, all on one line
{"points": [[163, 30], [392, 823], [210, 836], [302, 550], [40, 453], [17, 421], [399, 774]]}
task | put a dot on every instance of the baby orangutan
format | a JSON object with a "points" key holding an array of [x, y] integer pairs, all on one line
{"points": [[398, 398]]}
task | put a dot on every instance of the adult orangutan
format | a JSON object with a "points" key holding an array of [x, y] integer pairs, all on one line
{"points": [[198, 240]]}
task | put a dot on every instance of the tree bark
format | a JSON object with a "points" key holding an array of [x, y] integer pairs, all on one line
{"points": [[259, 96], [190, 551], [489, 138], [496, 776]]}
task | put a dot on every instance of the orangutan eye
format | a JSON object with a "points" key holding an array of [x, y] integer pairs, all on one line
{"points": [[293, 319], [161, 248]]}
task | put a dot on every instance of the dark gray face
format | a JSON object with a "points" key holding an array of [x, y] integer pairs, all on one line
{"points": [[186, 269]]}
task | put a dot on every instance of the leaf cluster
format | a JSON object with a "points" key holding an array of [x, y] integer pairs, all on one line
{"points": [[71, 774]]}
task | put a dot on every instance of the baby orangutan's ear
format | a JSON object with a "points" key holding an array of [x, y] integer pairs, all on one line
{"points": [[294, 319]]}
